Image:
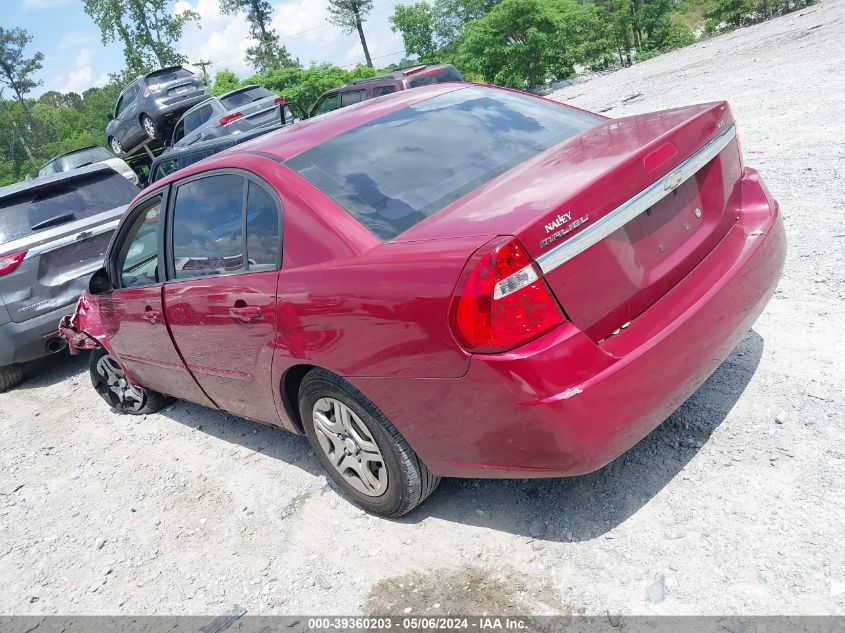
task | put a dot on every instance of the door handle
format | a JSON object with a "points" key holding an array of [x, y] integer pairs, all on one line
{"points": [[151, 316], [245, 313]]}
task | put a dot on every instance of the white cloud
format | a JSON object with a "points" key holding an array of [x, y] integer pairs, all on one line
{"points": [[79, 77], [302, 28], [77, 39], [222, 39]]}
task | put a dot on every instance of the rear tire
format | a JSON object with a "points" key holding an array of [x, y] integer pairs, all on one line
{"points": [[10, 375], [110, 382], [149, 126], [376, 466]]}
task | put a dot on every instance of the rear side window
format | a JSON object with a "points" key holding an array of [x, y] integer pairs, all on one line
{"points": [[197, 118], [65, 201], [245, 97], [353, 96], [83, 157], [208, 236], [262, 229], [423, 157], [380, 91], [434, 76]]}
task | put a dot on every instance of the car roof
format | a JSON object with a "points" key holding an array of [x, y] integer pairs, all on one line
{"points": [[291, 140]]}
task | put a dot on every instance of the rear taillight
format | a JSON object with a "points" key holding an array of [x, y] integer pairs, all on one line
{"points": [[151, 90], [502, 301], [194, 77], [9, 262], [279, 101], [226, 120]]}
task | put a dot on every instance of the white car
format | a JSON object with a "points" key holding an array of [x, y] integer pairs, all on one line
{"points": [[88, 156]]}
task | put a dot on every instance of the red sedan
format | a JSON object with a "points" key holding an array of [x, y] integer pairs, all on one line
{"points": [[456, 280]]}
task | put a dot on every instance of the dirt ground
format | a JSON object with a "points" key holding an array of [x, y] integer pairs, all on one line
{"points": [[736, 504]]}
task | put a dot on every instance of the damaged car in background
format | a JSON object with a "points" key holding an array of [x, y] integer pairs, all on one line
{"points": [[53, 233], [498, 286]]}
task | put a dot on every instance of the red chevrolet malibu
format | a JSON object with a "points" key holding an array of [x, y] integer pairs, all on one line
{"points": [[456, 280]]}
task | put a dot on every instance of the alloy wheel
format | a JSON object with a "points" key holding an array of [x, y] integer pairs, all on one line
{"points": [[350, 446], [115, 145], [115, 380], [149, 126]]}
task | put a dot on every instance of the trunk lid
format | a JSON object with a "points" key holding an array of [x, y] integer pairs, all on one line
{"points": [[615, 216], [73, 215]]}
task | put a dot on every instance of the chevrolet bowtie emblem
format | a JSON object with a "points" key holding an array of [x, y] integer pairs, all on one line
{"points": [[672, 181]]}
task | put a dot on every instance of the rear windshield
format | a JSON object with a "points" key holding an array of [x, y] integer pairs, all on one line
{"points": [[434, 76], [83, 157], [244, 97], [395, 171], [61, 203], [163, 76]]}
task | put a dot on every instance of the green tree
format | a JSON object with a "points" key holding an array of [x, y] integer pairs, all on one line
{"points": [[450, 16], [17, 70], [268, 52], [525, 43], [350, 16], [147, 29], [16, 73], [225, 81], [301, 87], [416, 24]]}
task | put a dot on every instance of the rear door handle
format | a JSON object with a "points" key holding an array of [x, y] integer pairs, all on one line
{"points": [[152, 316], [244, 313]]}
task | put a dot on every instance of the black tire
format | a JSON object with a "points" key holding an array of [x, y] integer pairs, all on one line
{"points": [[409, 482], [10, 375], [148, 401], [115, 146]]}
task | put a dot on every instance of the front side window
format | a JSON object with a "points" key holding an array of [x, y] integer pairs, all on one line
{"points": [[179, 131], [348, 98], [137, 259], [165, 168], [207, 237], [328, 104]]}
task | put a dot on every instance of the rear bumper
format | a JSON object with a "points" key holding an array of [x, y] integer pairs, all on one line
{"points": [[563, 405], [32, 339]]}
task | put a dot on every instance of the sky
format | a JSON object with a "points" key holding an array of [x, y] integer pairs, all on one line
{"points": [[75, 57]]}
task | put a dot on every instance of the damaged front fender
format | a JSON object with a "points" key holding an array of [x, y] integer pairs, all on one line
{"points": [[82, 328]]}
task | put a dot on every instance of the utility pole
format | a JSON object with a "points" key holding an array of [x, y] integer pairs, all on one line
{"points": [[202, 64]]}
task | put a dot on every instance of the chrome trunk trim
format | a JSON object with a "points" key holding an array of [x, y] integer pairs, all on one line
{"points": [[636, 205]]}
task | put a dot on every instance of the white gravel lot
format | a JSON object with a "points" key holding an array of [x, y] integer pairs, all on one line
{"points": [[736, 504]]}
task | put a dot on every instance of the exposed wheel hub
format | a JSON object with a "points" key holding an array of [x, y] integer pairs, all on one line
{"points": [[115, 380]]}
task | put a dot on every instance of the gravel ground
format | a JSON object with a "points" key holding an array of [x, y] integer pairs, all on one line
{"points": [[734, 505]]}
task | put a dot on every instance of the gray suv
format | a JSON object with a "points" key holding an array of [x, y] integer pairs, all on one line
{"points": [[242, 110], [149, 106], [53, 233]]}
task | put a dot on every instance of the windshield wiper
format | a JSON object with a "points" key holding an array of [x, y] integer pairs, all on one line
{"points": [[54, 221]]}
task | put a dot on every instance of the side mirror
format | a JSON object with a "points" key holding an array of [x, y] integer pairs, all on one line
{"points": [[100, 283]]}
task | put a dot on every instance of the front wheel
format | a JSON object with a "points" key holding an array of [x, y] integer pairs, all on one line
{"points": [[149, 126], [116, 147], [360, 448], [110, 382]]}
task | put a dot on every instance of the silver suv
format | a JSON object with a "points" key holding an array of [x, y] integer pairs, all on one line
{"points": [[53, 233]]}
